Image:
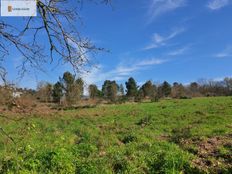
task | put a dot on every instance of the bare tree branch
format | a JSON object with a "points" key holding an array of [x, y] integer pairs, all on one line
{"points": [[62, 40]]}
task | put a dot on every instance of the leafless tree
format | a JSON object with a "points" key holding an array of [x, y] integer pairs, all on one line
{"points": [[55, 22]]}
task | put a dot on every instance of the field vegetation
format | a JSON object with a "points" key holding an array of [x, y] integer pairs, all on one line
{"points": [[169, 136]]}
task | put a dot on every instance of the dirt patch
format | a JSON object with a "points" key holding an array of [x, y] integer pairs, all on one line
{"points": [[40, 109], [163, 137], [213, 154]]}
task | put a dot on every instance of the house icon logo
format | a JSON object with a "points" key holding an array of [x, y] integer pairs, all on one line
{"points": [[9, 8]]}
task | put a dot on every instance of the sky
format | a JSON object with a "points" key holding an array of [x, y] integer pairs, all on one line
{"points": [[173, 40]]}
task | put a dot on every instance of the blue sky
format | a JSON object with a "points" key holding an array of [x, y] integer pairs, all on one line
{"points": [[173, 40]]}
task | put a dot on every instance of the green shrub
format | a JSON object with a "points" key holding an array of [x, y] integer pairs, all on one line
{"points": [[128, 139], [7, 165], [169, 159], [119, 164], [84, 149], [86, 167], [144, 121], [179, 134], [55, 161]]}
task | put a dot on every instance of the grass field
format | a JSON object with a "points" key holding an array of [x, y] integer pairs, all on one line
{"points": [[170, 136]]}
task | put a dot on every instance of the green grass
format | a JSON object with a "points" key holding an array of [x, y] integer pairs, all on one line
{"points": [[163, 137]]}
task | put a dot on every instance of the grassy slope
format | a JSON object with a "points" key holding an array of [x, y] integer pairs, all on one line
{"points": [[163, 137]]}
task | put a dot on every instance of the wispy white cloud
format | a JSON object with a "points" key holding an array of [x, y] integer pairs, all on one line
{"points": [[160, 7], [218, 79], [150, 62], [158, 40], [217, 4], [227, 52], [179, 51], [121, 71]]}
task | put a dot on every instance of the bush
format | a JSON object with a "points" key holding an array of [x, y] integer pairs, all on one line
{"points": [[145, 121], [155, 99], [179, 134], [56, 161], [166, 158], [84, 150], [5, 95], [128, 139], [185, 97], [86, 167]]}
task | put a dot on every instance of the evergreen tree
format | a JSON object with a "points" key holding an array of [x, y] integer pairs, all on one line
{"points": [[110, 90], [131, 87], [105, 88], [166, 89], [148, 89], [57, 92], [68, 80]]}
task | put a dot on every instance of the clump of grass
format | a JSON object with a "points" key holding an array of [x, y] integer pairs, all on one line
{"points": [[145, 121], [128, 139], [180, 134], [174, 160], [119, 164]]}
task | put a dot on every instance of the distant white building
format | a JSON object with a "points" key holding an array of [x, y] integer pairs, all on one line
{"points": [[17, 94]]}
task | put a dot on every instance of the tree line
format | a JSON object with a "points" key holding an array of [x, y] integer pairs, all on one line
{"points": [[70, 90]]}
